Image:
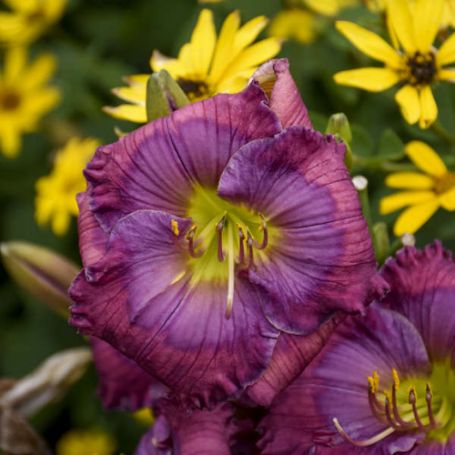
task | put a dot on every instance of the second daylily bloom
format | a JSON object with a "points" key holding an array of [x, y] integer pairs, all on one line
{"points": [[423, 192], [384, 383], [207, 233], [413, 61]]}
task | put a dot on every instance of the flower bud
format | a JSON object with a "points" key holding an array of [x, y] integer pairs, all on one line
{"points": [[41, 272], [338, 125], [164, 95]]}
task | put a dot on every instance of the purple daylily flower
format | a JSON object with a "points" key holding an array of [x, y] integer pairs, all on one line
{"points": [[384, 383], [208, 233]]}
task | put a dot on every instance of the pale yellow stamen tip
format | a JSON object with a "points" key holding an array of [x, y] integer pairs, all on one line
{"points": [[175, 228]]}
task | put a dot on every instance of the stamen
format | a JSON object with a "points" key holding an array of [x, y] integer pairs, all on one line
{"points": [[190, 238], [175, 228], [395, 387], [250, 243], [429, 400], [375, 407], [365, 443], [219, 233], [412, 402], [241, 234], [231, 273], [265, 235], [388, 414]]}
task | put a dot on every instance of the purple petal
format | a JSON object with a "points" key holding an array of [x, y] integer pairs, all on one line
{"points": [[122, 383], [284, 96], [323, 260], [423, 289], [92, 239], [335, 384], [190, 432], [156, 166], [140, 300], [291, 355]]}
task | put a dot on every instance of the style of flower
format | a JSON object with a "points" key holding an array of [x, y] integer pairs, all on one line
{"points": [[93, 441], [207, 233], [205, 66], [25, 97], [413, 61], [55, 200], [384, 382], [28, 19], [422, 192]]}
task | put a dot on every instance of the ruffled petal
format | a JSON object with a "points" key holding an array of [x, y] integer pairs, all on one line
{"points": [[321, 259], [156, 166], [276, 80], [423, 289], [140, 299], [335, 385], [122, 384]]}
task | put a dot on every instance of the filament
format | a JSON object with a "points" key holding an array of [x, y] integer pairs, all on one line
{"points": [[365, 442]]}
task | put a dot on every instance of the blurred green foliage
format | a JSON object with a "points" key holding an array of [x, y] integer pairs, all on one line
{"points": [[97, 43]]}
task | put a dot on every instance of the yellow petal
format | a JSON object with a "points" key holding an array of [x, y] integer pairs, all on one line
{"points": [[413, 218], [42, 101], [24, 6], [399, 200], [425, 158], [409, 101], [134, 93], [223, 50], [428, 107], [248, 32], [371, 79], [10, 142], [39, 72], [203, 42], [326, 7], [447, 200], [402, 24], [130, 112], [295, 24], [15, 61], [253, 56], [446, 53], [447, 75], [411, 180], [369, 43], [427, 22]]}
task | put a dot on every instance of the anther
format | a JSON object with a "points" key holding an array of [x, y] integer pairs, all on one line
{"points": [[366, 442], [219, 233], [250, 243], [190, 238], [241, 234], [175, 227], [412, 402], [429, 400], [265, 235]]}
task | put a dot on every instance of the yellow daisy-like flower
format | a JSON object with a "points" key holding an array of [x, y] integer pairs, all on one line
{"points": [[86, 442], [205, 66], [413, 61], [28, 19], [55, 200], [25, 97], [423, 192], [144, 416], [297, 24]]}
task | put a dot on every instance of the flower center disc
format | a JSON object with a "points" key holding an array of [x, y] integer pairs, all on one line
{"points": [[445, 183], [422, 68], [9, 100], [224, 238], [194, 89]]}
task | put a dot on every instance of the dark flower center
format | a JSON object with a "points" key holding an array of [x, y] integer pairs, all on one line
{"points": [[35, 16], [422, 68], [194, 89], [9, 100], [444, 183], [412, 405]]}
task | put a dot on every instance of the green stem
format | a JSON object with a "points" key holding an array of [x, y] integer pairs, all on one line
{"points": [[377, 164], [443, 133]]}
